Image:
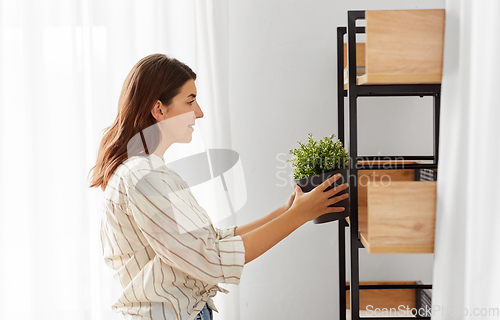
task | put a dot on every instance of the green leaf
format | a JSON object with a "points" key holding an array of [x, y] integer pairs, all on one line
{"points": [[316, 157]]}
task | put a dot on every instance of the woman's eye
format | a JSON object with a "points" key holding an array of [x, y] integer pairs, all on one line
{"points": [[191, 102]]}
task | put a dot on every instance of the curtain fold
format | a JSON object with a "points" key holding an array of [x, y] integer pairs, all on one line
{"points": [[62, 64], [467, 255]]}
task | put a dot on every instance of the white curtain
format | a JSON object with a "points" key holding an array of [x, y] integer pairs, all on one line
{"points": [[62, 65], [467, 253]]}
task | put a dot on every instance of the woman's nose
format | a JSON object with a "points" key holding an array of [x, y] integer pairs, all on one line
{"points": [[199, 113]]}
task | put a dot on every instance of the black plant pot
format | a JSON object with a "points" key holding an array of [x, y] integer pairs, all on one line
{"points": [[307, 184]]}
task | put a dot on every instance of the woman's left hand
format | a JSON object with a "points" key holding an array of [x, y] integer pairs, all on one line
{"points": [[290, 200]]}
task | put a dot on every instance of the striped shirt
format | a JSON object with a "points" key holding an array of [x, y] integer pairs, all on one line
{"points": [[167, 255]]}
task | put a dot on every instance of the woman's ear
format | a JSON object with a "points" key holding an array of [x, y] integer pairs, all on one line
{"points": [[158, 111]]}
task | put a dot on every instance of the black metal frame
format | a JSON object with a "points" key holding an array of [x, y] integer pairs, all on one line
{"points": [[354, 91]]}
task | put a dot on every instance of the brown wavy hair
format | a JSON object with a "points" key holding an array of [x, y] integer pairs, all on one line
{"points": [[155, 77]]}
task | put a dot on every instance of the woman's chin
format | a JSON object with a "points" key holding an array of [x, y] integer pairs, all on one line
{"points": [[187, 139]]}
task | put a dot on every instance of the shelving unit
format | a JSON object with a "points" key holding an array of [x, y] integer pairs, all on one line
{"points": [[402, 57]]}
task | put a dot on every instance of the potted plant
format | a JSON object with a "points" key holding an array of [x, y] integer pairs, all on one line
{"points": [[316, 161]]}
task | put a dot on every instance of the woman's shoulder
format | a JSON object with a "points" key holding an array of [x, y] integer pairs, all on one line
{"points": [[129, 173], [138, 168]]}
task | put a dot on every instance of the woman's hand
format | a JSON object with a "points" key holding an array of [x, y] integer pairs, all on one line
{"points": [[315, 203], [290, 200]]}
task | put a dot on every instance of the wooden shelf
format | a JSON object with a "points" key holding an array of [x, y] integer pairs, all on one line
{"points": [[401, 217], [402, 47], [395, 213], [360, 61], [383, 298]]}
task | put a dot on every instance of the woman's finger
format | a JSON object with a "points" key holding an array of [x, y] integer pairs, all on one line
{"points": [[335, 209], [337, 189], [338, 198], [330, 181], [298, 189]]}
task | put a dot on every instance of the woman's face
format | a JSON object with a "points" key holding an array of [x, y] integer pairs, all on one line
{"points": [[180, 115]]}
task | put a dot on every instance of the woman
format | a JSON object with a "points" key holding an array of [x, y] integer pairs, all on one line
{"points": [[167, 255]]}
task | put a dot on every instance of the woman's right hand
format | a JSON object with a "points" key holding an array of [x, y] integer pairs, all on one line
{"points": [[315, 203]]}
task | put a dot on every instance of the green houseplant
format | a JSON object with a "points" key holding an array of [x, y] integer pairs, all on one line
{"points": [[314, 162]]}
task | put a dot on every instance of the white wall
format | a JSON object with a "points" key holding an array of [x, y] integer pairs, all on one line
{"points": [[282, 75]]}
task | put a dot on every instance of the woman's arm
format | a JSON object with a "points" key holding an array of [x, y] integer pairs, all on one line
{"points": [[241, 230], [265, 237], [305, 207]]}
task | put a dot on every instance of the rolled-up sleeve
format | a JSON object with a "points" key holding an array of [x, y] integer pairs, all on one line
{"points": [[179, 230], [225, 232], [232, 253]]}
